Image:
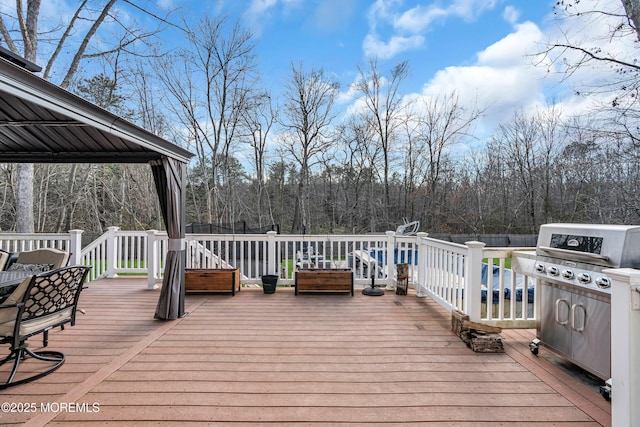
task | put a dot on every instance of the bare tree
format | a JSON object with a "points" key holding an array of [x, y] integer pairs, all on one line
{"points": [[442, 123], [551, 142], [571, 51], [600, 39], [258, 119], [210, 83], [360, 180], [383, 102], [413, 166], [519, 141], [307, 117]]}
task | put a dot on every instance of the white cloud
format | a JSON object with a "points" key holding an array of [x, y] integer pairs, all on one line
{"points": [[259, 6], [408, 28], [257, 13], [374, 47], [331, 15], [514, 49], [166, 4], [502, 80], [260, 13], [381, 11], [419, 18], [511, 14], [470, 9]]}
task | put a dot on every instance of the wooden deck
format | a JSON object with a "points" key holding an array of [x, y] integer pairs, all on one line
{"points": [[296, 360]]}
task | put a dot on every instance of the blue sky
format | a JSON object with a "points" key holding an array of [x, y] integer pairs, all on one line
{"points": [[339, 35], [477, 48]]}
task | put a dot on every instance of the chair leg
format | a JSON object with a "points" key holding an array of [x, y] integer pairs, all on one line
{"points": [[45, 338], [17, 354]]}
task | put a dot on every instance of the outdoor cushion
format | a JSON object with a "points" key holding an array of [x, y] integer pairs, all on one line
{"points": [[37, 324], [9, 314], [4, 258], [53, 256], [32, 268]]}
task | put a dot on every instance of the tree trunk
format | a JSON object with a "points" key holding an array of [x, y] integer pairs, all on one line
{"points": [[24, 198], [632, 8], [24, 186]]}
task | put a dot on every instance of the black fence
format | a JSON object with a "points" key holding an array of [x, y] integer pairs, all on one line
{"points": [[239, 227], [492, 240]]}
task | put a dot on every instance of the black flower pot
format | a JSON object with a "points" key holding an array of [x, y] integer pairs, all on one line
{"points": [[269, 283]]}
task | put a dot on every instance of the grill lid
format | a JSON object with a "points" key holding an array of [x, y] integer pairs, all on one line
{"points": [[615, 246]]}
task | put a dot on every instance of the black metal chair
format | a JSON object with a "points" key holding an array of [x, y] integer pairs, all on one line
{"points": [[40, 303]]}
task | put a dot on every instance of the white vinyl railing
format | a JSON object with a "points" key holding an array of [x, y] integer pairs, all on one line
{"points": [[456, 276], [21, 242], [437, 269], [508, 294], [475, 280], [14, 242]]}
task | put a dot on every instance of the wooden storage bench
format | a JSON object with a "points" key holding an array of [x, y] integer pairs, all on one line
{"points": [[324, 280], [202, 280]]}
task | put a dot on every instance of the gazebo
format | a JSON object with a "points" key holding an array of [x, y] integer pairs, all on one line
{"points": [[43, 123]]}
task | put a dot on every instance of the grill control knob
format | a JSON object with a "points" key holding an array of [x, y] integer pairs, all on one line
{"points": [[540, 268], [584, 278], [553, 271], [603, 282], [567, 274]]}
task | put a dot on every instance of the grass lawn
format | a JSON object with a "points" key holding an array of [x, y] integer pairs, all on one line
{"points": [[496, 262]]}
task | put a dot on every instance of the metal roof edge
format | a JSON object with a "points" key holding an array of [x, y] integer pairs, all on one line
{"points": [[26, 85]]}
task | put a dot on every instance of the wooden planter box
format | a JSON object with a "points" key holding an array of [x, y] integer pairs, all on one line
{"points": [[202, 280], [324, 280]]}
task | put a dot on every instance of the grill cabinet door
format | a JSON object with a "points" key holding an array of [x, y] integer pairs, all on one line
{"points": [[591, 335], [555, 325]]}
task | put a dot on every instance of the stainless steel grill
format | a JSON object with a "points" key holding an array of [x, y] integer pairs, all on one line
{"points": [[574, 317]]}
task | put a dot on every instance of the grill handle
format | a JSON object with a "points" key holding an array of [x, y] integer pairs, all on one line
{"points": [[574, 254], [574, 307], [558, 302]]}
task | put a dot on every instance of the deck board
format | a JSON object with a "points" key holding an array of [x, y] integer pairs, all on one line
{"points": [[314, 359]]}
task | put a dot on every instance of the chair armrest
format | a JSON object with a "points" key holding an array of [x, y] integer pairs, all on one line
{"points": [[17, 305]]}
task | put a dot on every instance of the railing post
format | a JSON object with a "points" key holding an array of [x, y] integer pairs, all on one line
{"points": [[391, 262], [473, 280], [625, 346], [421, 253], [112, 251], [152, 259], [75, 247], [271, 253]]}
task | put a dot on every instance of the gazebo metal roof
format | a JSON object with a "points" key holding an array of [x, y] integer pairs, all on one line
{"points": [[43, 123]]}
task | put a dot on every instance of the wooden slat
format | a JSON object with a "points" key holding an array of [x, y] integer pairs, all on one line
{"points": [[324, 280], [322, 359], [212, 280]]}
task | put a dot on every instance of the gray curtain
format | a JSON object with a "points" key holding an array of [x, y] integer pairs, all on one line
{"points": [[169, 176]]}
